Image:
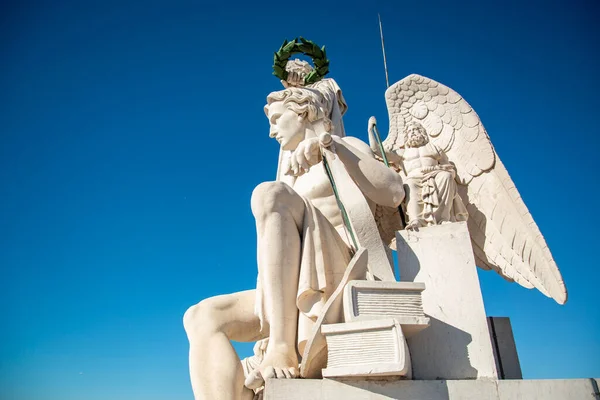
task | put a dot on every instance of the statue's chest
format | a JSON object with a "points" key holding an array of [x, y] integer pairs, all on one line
{"points": [[411, 154], [314, 184]]}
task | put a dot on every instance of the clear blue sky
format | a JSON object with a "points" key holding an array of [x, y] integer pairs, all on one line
{"points": [[132, 135]]}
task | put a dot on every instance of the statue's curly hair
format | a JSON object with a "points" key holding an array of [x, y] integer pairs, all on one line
{"points": [[302, 101]]}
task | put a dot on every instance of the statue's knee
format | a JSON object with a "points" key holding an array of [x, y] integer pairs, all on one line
{"points": [[201, 317], [444, 178], [190, 318], [269, 197]]}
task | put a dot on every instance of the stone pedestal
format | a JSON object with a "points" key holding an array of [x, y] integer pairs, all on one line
{"points": [[457, 343], [484, 389]]}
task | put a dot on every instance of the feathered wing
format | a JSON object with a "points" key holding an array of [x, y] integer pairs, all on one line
{"points": [[505, 237]]}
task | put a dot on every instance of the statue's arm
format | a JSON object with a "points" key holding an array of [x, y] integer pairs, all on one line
{"points": [[442, 157], [444, 161], [378, 182]]}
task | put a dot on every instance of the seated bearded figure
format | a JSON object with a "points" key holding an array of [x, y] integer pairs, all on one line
{"points": [[302, 248], [431, 189]]}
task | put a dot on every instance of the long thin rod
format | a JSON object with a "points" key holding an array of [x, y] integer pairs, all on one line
{"points": [[375, 130], [380, 143], [387, 79], [339, 202]]}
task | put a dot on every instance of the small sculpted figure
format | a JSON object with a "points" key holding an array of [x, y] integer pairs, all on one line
{"points": [[432, 196], [302, 251], [438, 143]]}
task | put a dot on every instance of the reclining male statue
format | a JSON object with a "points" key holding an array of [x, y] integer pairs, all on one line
{"points": [[303, 247]]}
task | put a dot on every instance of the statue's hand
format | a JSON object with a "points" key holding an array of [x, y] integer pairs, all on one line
{"points": [[305, 156]]}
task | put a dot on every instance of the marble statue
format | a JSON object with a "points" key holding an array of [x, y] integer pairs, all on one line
{"points": [[304, 245], [431, 195], [326, 223], [438, 144]]}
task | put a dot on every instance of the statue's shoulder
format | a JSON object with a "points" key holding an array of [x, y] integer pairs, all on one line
{"points": [[440, 152], [430, 148]]}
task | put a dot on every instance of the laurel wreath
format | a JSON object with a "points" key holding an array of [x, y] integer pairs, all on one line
{"points": [[306, 47]]}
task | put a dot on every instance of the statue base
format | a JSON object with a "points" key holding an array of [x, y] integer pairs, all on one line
{"points": [[481, 389], [457, 344]]}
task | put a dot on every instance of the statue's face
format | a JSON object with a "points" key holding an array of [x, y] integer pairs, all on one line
{"points": [[287, 127], [415, 135]]}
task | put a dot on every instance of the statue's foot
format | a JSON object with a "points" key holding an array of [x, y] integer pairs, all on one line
{"points": [[278, 365], [414, 225]]}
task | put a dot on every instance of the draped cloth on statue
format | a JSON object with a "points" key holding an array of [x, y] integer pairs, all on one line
{"points": [[332, 93], [323, 261], [441, 201]]}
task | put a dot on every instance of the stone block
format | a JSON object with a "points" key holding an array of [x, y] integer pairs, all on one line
{"points": [[368, 300], [366, 348], [551, 389], [457, 344], [482, 389]]}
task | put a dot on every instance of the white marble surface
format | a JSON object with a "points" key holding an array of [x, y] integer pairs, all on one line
{"points": [[368, 300], [366, 348], [457, 344], [356, 389]]}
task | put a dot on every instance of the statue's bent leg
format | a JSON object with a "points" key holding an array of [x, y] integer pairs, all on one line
{"points": [[446, 190], [215, 369], [279, 213]]}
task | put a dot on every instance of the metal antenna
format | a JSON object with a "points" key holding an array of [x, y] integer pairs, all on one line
{"points": [[387, 79]]}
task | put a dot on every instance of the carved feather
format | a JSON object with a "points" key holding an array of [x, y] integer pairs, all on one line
{"points": [[504, 235]]}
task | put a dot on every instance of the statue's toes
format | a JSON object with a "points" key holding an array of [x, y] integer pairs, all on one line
{"points": [[294, 372], [269, 372], [280, 373], [257, 379], [254, 380], [286, 373], [291, 373]]}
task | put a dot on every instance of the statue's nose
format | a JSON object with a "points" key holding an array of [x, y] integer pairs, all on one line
{"points": [[272, 134]]}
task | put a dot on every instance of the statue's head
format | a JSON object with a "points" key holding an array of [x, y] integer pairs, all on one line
{"points": [[292, 111], [415, 135], [297, 69]]}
